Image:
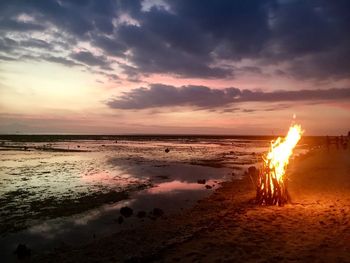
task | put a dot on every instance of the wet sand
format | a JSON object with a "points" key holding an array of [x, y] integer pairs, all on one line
{"points": [[48, 198], [229, 227], [41, 181]]}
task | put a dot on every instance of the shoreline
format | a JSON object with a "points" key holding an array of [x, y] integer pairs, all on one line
{"points": [[227, 226]]}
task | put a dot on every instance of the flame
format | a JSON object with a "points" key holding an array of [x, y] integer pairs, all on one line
{"points": [[278, 157], [271, 181]]}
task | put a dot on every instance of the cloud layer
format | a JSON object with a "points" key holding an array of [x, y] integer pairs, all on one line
{"points": [[158, 95], [198, 38]]}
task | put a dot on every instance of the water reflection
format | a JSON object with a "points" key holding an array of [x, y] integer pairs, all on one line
{"points": [[175, 186]]}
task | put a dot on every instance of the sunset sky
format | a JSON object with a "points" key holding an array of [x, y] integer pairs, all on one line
{"points": [[174, 67]]}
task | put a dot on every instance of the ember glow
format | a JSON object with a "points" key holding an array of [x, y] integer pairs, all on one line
{"points": [[271, 188]]}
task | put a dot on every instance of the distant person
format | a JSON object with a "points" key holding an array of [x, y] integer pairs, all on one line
{"points": [[344, 142], [341, 141], [337, 142]]}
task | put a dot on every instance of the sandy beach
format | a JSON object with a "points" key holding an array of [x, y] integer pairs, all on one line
{"points": [[229, 227]]}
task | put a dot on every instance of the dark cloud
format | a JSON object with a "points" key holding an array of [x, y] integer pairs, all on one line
{"points": [[334, 64], [7, 44], [90, 59], [61, 60], [110, 45], [239, 28], [155, 55], [158, 95], [6, 58], [76, 17], [186, 40], [298, 95], [249, 69], [191, 38], [10, 46], [312, 36], [13, 25], [36, 43]]}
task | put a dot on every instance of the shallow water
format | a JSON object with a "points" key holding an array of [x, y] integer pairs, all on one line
{"points": [[69, 191]]}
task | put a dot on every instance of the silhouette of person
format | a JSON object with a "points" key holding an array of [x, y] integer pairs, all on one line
{"points": [[337, 142], [341, 141]]}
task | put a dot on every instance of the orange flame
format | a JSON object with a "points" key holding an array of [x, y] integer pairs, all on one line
{"points": [[278, 157]]}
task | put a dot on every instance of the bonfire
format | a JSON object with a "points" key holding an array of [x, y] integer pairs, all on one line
{"points": [[272, 183]]}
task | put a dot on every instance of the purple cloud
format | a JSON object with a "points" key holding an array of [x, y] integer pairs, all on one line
{"points": [[159, 95]]}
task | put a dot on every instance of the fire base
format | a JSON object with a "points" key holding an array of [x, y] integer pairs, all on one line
{"points": [[271, 191]]}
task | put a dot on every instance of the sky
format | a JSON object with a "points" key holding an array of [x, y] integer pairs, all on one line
{"points": [[229, 67]]}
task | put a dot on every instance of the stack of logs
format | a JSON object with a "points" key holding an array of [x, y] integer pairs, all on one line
{"points": [[271, 191]]}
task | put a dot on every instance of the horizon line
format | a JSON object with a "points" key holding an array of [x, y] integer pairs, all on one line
{"points": [[151, 134]]}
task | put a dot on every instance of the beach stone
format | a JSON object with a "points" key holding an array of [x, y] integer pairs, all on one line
{"points": [[201, 181], [22, 251], [120, 220], [157, 212], [141, 214], [126, 211], [167, 150]]}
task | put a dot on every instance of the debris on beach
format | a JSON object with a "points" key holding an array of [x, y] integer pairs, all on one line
{"points": [[167, 150], [157, 212], [120, 220], [22, 251], [201, 181], [126, 211], [141, 214]]}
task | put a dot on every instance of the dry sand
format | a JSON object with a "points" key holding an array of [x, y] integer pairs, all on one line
{"points": [[228, 227]]}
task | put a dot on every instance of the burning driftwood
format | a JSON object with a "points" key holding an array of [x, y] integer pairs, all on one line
{"points": [[271, 185], [270, 191]]}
